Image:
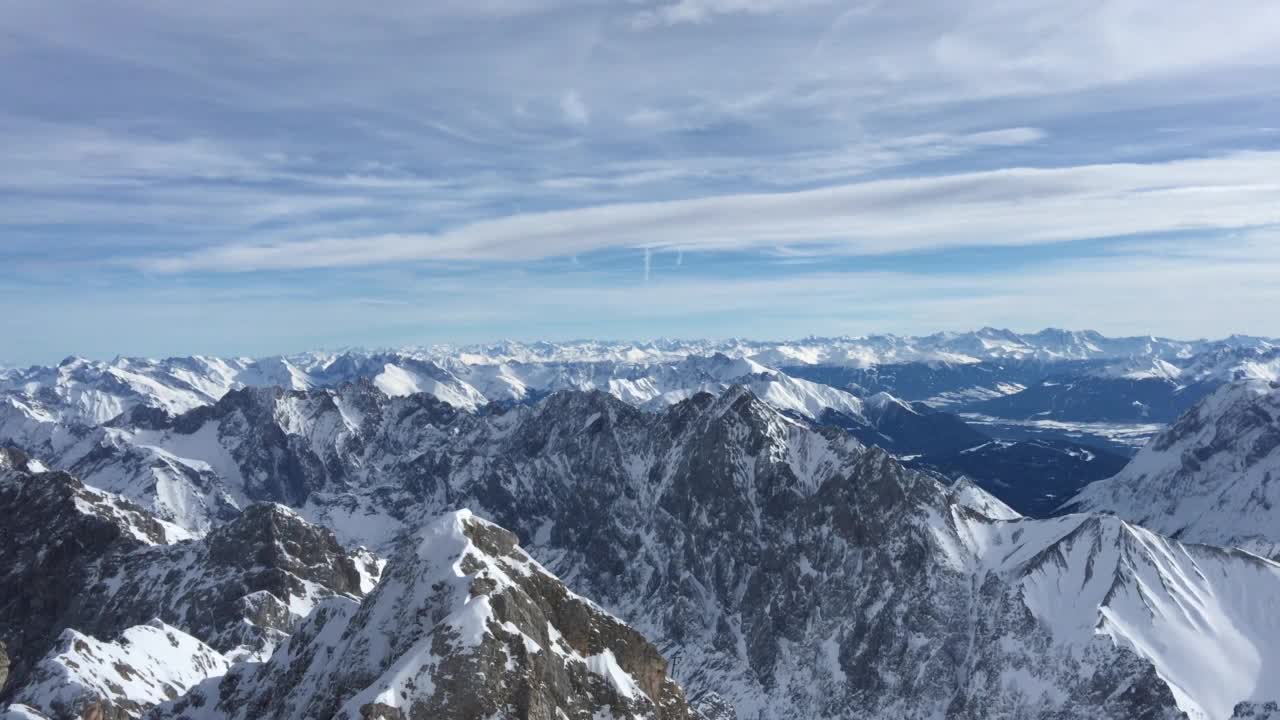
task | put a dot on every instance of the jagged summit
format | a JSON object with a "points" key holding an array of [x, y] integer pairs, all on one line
{"points": [[55, 533], [464, 624], [74, 559], [967, 493]]}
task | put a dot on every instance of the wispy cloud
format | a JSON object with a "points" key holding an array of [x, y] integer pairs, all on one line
{"points": [[1002, 207], [697, 11]]}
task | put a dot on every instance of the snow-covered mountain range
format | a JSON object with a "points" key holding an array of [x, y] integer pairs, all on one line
{"points": [[206, 539], [647, 374], [87, 677], [929, 397], [1054, 385], [783, 569], [83, 392]]}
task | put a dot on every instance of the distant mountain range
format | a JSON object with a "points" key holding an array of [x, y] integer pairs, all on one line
{"points": [[945, 369], [924, 398]]}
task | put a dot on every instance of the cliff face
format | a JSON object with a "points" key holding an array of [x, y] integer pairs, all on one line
{"points": [[56, 533]]}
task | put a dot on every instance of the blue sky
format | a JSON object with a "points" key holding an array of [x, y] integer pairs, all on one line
{"points": [[250, 178]]}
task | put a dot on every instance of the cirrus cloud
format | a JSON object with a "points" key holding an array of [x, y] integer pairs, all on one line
{"points": [[1017, 206]]}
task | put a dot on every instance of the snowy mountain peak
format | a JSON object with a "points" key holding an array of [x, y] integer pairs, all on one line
{"points": [[75, 557], [1142, 368], [464, 624], [83, 677], [881, 401]]}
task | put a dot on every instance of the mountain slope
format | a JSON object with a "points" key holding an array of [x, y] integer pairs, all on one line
{"points": [[941, 384], [906, 428], [1089, 397], [240, 589], [85, 678], [1212, 477], [1189, 610], [56, 532], [77, 560], [465, 624]]}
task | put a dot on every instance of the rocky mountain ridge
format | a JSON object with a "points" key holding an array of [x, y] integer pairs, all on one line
{"points": [[1211, 477], [465, 624], [82, 561]]}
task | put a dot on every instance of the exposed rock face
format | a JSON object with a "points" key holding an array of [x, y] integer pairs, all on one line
{"points": [[255, 444], [464, 625], [56, 531], [270, 430], [1212, 477], [75, 557], [241, 589], [711, 706]]}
